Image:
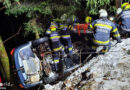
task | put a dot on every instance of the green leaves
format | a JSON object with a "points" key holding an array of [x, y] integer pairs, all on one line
{"points": [[95, 5], [7, 3], [43, 8], [29, 28], [112, 9], [16, 0], [93, 12], [29, 9]]}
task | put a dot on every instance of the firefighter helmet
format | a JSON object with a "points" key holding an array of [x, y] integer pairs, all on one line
{"points": [[63, 17], [72, 19], [103, 13], [123, 6], [127, 7], [119, 10], [88, 19]]}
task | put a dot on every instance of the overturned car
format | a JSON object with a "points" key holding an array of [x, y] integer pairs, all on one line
{"points": [[33, 62]]}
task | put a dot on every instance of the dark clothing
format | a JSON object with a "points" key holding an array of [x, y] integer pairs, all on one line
{"points": [[65, 35], [55, 41], [124, 18], [102, 29]]}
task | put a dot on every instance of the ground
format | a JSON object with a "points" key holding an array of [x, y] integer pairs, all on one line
{"points": [[110, 71]]}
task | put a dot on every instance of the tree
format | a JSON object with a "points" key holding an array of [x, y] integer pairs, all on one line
{"points": [[39, 13], [4, 62]]}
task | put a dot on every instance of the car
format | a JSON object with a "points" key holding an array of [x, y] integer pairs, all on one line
{"points": [[33, 62], [27, 64]]}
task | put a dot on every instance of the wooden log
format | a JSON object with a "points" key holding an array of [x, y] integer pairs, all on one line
{"points": [[118, 3]]}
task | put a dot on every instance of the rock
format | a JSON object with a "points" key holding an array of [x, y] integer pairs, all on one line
{"points": [[128, 52], [106, 72]]}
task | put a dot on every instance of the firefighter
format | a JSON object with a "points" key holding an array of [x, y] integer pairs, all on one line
{"points": [[124, 20], [56, 44], [66, 28], [102, 28], [66, 38]]}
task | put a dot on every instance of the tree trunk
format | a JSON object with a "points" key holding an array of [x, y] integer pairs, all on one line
{"points": [[4, 62], [34, 23], [118, 3], [37, 35]]}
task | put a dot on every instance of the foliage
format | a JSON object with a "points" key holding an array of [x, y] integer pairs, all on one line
{"points": [[40, 9], [46, 10], [29, 9], [95, 5], [7, 3], [33, 27], [126, 1]]}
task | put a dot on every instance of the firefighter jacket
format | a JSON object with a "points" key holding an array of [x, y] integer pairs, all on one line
{"points": [[64, 31], [102, 29], [54, 36], [125, 20], [52, 32]]}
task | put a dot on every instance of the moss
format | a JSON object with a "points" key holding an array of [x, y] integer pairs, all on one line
{"points": [[4, 60]]}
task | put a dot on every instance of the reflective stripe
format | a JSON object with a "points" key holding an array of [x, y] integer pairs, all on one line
{"points": [[114, 30], [104, 51], [73, 18], [94, 47], [54, 24], [91, 26], [103, 25], [53, 37], [70, 27], [56, 61], [48, 31], [63, 48], [63, 26], [53, 28], [70, 49], [117, 35], [65, 36], [57, 49], [101, 42]]}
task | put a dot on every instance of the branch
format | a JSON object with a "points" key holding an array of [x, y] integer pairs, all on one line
{"points": [[12, 4], [1, 1], [13, 35]]}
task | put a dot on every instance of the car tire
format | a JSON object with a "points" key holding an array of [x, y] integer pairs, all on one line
{"points": [[35, 43]]}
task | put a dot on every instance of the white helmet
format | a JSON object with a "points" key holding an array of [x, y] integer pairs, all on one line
{"points": [[103, 13], [119, 10], [63, 17]]}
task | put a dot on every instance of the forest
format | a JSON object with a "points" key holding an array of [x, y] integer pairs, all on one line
{"points": [[26, 20]]}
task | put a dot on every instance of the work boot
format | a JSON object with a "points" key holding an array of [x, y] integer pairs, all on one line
{"points": [[75, 58], [56, 67], [68, 63]]}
